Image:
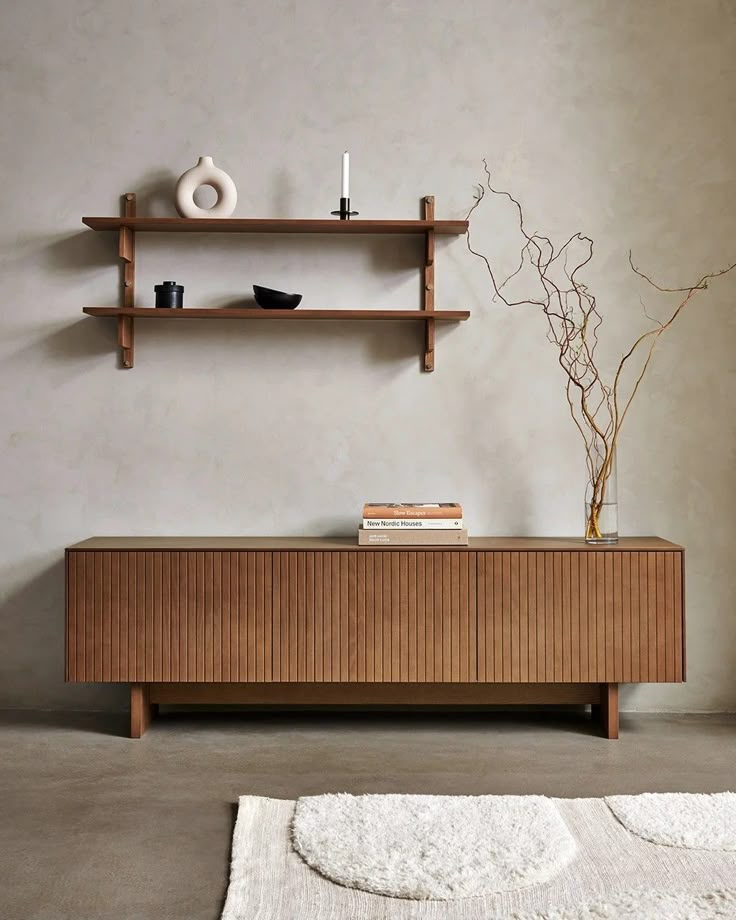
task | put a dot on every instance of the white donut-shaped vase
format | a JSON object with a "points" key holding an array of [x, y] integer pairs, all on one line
{"points": [[205, 173]]}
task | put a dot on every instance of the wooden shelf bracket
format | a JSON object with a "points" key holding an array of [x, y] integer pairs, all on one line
{"points": [[126, 251], [428, 286]]}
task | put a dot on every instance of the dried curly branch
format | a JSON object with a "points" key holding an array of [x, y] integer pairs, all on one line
{"points": [[597, 408]]}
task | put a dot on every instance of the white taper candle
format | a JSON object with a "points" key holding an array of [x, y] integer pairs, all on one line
{"points": [[345, 193]]}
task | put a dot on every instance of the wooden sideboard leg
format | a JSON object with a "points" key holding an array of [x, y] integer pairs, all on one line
{"points": [[142, 710], [609, 710]]}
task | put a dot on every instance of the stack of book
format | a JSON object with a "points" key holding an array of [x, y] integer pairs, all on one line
{"points": [[396, 524]]}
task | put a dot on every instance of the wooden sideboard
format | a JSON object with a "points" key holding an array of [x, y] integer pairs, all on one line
{"points": [[312, 621]]}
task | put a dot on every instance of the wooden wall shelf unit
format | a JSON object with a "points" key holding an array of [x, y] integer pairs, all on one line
{"points": [[318, 621], [129, 224]]}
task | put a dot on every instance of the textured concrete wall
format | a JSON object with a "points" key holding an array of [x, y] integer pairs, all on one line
{"points": [[611, 118]]}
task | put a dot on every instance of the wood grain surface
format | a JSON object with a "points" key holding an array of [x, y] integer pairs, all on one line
{"points": [[302, 614]]}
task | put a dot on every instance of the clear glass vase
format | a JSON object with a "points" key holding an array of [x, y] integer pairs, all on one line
{"points": [[601, 504]]}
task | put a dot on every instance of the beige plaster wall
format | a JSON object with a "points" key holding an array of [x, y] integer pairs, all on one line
{"points": [[615, 118]]}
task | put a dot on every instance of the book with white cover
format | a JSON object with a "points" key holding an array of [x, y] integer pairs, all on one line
{"points": [[427, 537], [412, 524]]}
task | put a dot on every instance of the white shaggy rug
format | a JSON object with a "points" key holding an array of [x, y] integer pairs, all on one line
{"points": [[613, 873], [674, 819], [432, 846]]}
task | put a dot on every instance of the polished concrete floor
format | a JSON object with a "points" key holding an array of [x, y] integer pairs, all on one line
{"points": [[95, 825]]}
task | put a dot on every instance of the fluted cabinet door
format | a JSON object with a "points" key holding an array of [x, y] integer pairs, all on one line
{"points": [[561, 617]]}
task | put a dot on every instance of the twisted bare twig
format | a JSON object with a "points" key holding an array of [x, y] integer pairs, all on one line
{"points": [[597, 408]]}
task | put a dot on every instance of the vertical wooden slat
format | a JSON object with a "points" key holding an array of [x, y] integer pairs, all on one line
{"points": [[251, 631], [558, 619], [625, 602], [308, 608], [572, 590], [241, 592], [401, 606], [327, 615], [216, 671], [583, 617], [226, 616], [388, 637], [651, 562], [543, 640], [335, 617], [174, 616], [446, 620], [661, 617], [82, 616], [395, 603], [412, 629], [523, 607], [616, 616], [472, 615], [360, 621], [669, 589], [276, 631], [481, 614], [370, 616], [206, 599], [534, 626], [318, 618], [499, 635], [197, 601], [288, 618], [505, 673], [600, 613], [592, 599], [438, 616], [139, 636], [258, 614], [454, 615], [166, 625], [187, 656], [72, 611], [678, 614], [349, 611], [421, 599], [377, 560], [464, 614], [268, 616], [300, 613], [511, 608], [563, 572], [635, 614], [155, 613], [105, 615], [610, 623], [95, 619]]}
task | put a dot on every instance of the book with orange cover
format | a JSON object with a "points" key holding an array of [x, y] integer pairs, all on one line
{"points": [[434, 510]]}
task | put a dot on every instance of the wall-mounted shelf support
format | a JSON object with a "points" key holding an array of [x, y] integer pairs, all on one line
{"points": [[128, 224], [126, 251], [428, 287]]}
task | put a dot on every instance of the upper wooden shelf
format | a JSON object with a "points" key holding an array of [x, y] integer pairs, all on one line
{"points": [[258, 225]]}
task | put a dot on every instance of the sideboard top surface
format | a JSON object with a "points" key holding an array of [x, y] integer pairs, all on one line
{"points": [[331, 544]]}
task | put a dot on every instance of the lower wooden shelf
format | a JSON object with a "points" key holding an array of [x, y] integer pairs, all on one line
{"points": [[126, 317], [422, 316]]}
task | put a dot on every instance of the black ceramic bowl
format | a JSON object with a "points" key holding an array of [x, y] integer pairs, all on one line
{"points": [[275, 300]]}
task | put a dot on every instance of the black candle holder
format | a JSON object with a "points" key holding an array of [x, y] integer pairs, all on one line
{"points": [[345, 213]]}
